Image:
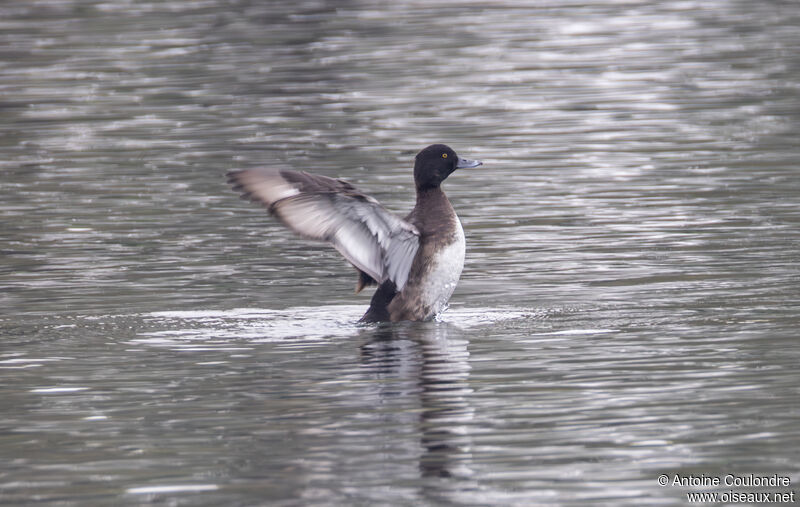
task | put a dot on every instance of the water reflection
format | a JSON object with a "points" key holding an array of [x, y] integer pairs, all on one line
{"points": [[430, 360]]}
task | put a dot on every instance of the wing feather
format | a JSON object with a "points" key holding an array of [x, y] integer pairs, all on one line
{"points": [[371, 238]]}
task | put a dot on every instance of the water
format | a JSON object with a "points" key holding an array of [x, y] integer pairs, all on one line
{"points": [[628, 308]]}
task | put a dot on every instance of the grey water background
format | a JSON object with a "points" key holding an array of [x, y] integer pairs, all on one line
{"points": [[628, 308]]}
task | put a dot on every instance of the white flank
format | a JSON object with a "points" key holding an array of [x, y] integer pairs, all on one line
{"points": [[445, 272]]}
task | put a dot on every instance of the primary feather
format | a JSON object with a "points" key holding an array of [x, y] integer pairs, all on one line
{"points": [[374, 240]]}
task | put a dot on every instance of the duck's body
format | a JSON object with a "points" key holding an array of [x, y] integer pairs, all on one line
{"points": [[437, 266], [415, 261]]}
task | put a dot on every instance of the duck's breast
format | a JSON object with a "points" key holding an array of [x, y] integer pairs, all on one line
{"points": [[438, 282]]}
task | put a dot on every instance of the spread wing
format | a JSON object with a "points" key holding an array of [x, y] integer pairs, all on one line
{"points": [[374, 240]]}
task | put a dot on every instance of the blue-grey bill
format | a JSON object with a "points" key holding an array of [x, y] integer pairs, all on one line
{"points": [[464, 163]]}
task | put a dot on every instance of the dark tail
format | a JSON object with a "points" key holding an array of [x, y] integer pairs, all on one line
{"points": [[379, 306]]}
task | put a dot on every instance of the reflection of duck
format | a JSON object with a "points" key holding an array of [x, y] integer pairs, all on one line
{"points": [[416, 261], [433, 358]]}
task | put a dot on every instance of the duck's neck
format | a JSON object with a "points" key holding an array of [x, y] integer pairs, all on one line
{"points": [[433, 215], [432, 204], [430, 195]]}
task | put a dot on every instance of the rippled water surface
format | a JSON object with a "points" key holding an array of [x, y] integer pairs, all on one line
{"points": [[629, 305]]}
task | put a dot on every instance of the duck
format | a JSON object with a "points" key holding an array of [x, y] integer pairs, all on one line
{"points": [[415, 261]]}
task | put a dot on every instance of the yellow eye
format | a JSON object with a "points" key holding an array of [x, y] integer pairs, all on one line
{"points": [[444, 155]]}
